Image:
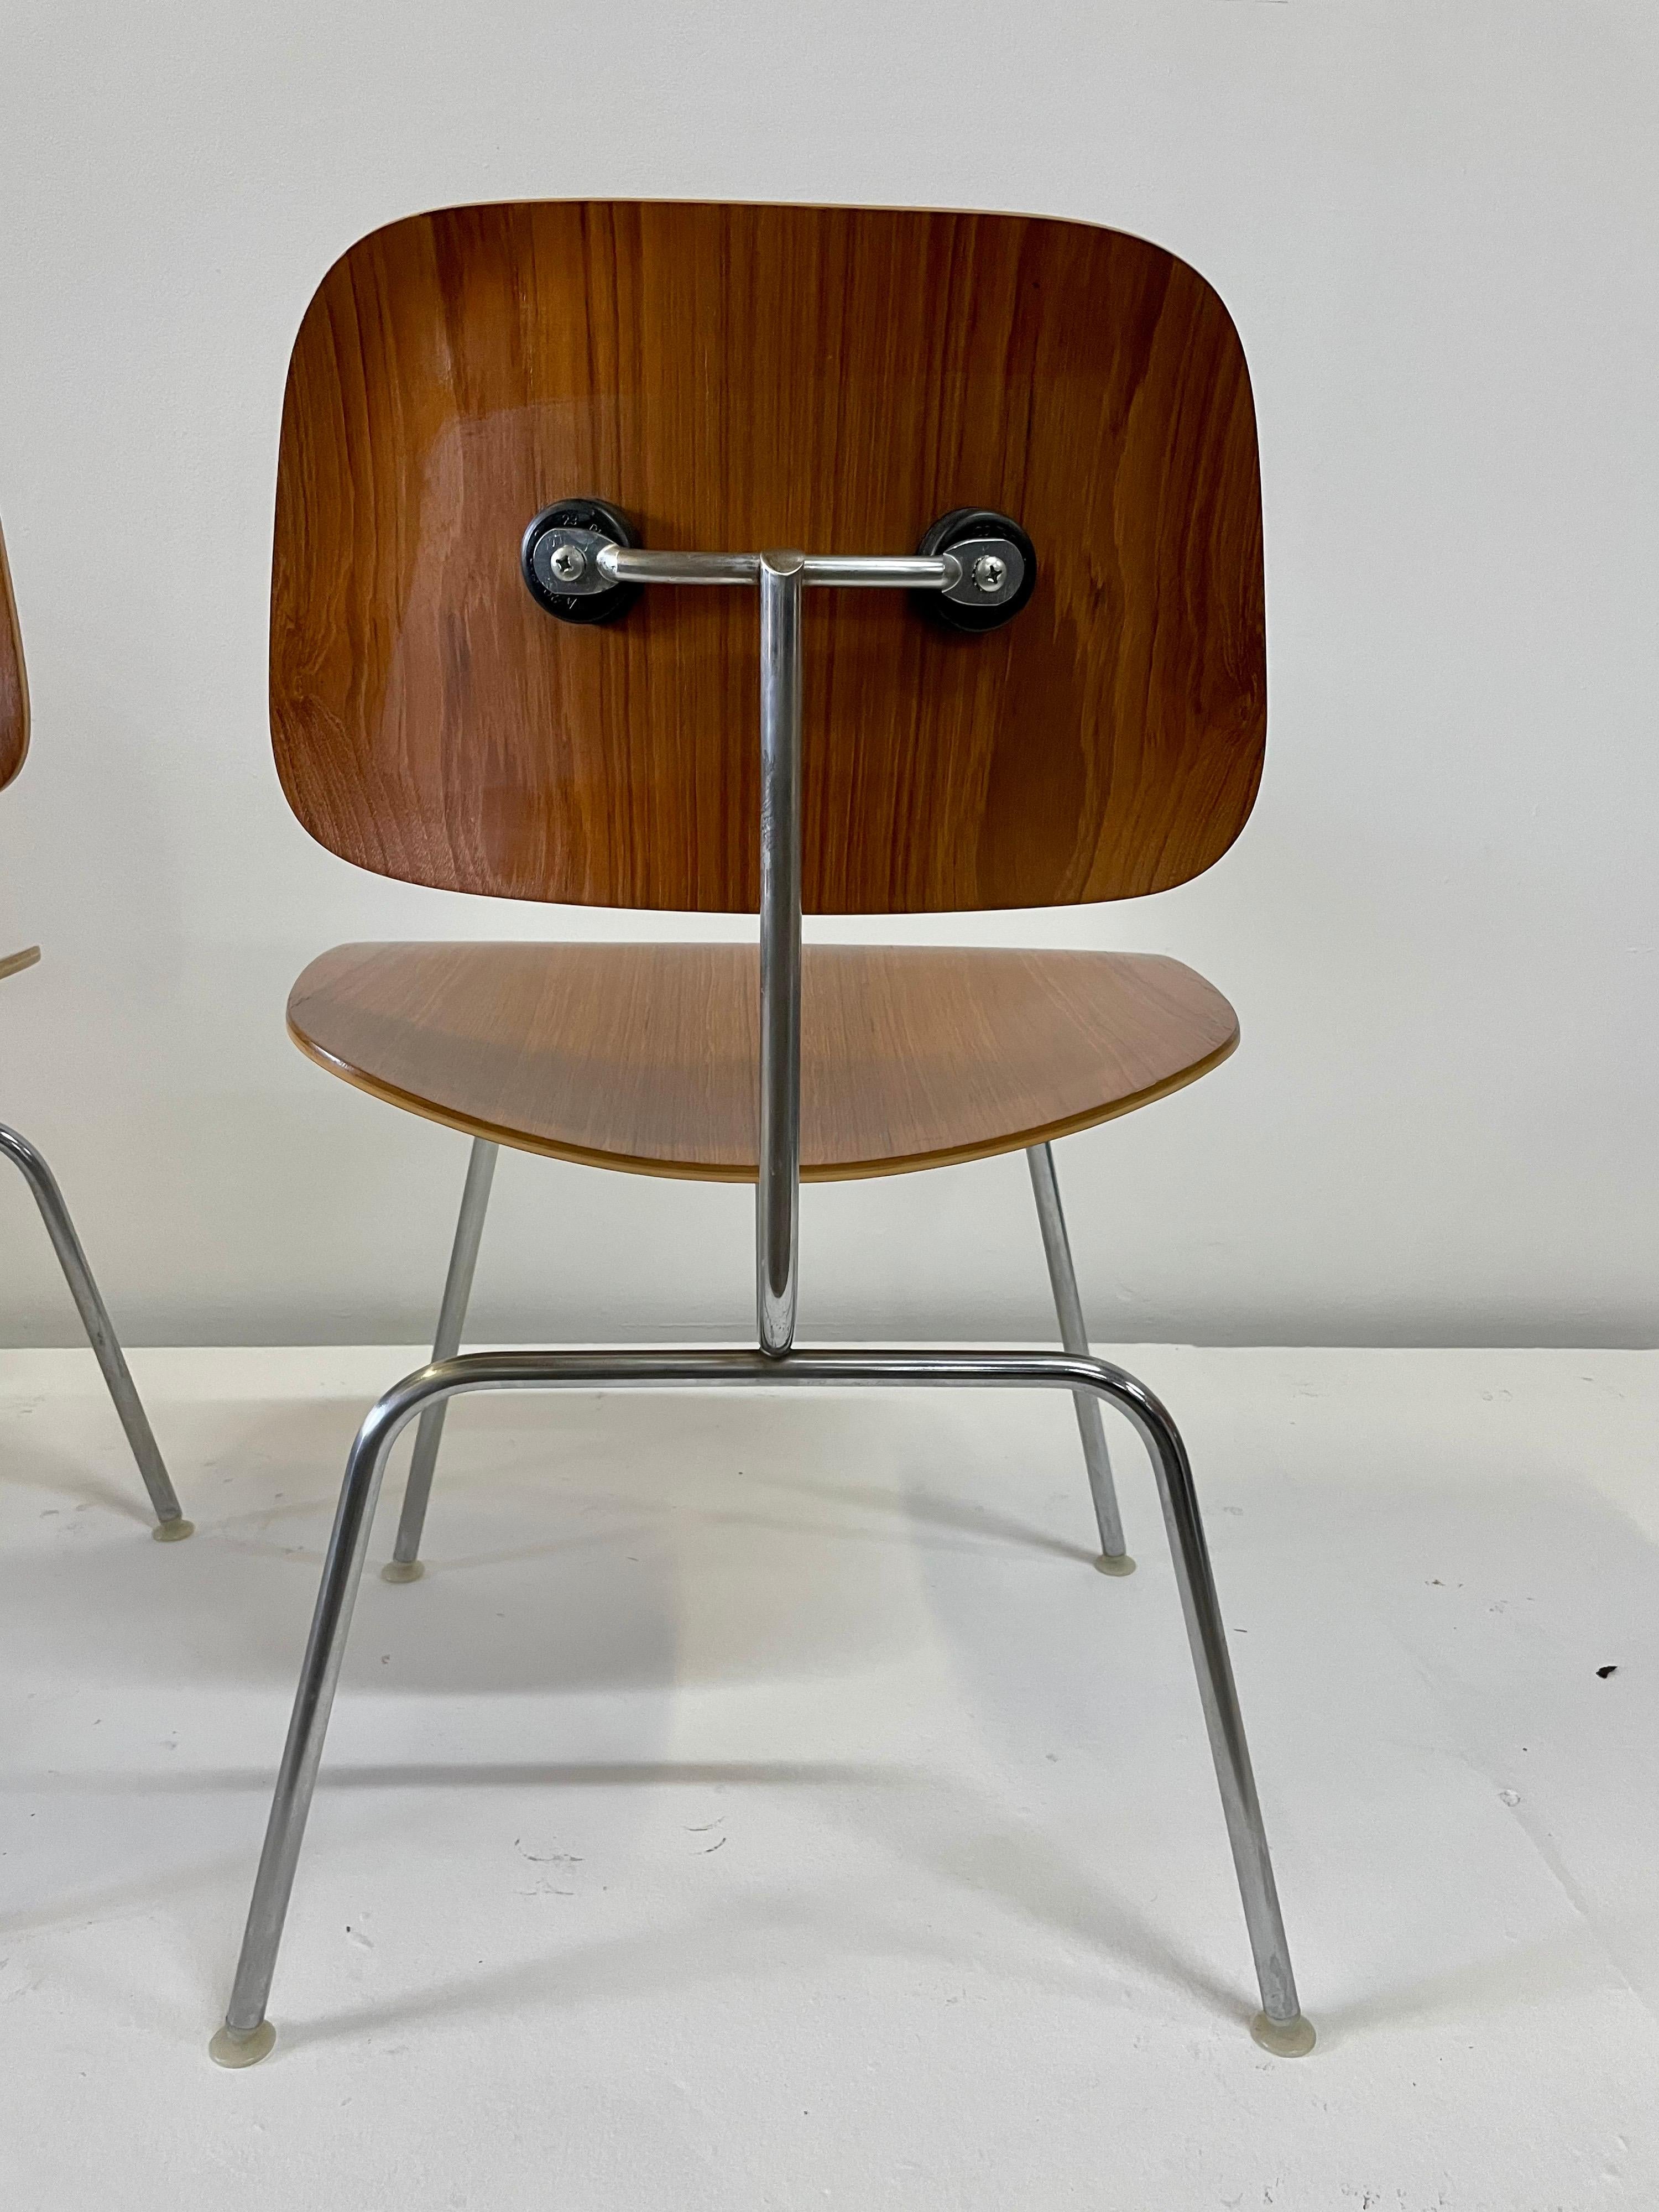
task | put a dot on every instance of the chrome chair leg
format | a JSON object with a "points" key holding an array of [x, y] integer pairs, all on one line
{"points": [[1057, 1249], [405, 1564], [170, 1522], [247, 2034]]}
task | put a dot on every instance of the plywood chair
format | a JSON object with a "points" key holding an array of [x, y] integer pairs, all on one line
{"points": [[170, 1522], [533, 460]]}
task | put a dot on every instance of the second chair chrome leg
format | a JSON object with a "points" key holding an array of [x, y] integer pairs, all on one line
{"points": [[170, 1522], [405, 1564], [1074, 1337]]}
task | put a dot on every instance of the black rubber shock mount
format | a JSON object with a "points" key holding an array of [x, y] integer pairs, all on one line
{"points": [[961, 526], [605, 521]]}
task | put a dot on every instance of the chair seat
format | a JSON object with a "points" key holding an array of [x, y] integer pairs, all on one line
{"points": [[644, 1056]]}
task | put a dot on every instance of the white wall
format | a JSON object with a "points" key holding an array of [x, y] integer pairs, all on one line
{"points": [[1436, 224]]}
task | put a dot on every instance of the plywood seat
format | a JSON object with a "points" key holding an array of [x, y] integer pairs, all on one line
{"points": [[644, 1056]]}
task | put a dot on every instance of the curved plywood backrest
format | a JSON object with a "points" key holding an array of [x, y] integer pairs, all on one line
{"points": [[14, 683], [740, 378]]}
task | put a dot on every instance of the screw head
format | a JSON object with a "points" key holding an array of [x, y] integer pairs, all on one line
{"points": [[990, 571], [566, 562]]}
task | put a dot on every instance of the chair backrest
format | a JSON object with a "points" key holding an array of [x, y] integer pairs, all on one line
{"points": [[14, 683], [736, 378]]}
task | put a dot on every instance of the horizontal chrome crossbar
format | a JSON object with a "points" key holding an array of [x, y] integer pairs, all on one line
{"points": [[705, 1367], [906, 572]]}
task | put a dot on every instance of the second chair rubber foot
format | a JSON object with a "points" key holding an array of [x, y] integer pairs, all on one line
{"points": [[228, 2048], [173, 1532], [1115, 1563], [1286, 2038], [402, 1571]]}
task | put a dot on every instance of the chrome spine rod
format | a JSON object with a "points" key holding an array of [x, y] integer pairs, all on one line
{"points": [[781, 577], [777, 1195]]}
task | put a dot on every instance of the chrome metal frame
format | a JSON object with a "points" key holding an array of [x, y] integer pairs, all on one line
{"points": [[170, 1522], [247, 2034]]}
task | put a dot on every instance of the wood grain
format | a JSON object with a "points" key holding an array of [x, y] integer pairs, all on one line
{"points": [[745, 377], [644, 1056], [14, 683]]}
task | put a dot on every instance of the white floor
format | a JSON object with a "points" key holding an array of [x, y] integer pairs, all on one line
{"points": [[761, 1804]]}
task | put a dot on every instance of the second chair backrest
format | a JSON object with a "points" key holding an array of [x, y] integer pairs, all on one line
{"points": [[14, 683], [738, 378]]}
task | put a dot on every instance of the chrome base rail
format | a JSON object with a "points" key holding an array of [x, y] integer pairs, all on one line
{"points": [[246, 2034], [170, 1522]]}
